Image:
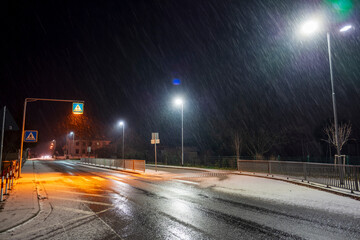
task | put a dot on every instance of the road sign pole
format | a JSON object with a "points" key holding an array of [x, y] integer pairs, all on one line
{"points": [[155, 158], [154, 140], [22, 139], [2, 138]]}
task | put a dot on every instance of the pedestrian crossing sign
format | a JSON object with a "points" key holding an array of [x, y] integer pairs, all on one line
{"points": [[78, 108], [31, 136]]}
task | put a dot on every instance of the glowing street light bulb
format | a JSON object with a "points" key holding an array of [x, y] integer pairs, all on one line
{"points": [[121, 123], [71, 133], [310, 27], [178, 101], [346, 28]]}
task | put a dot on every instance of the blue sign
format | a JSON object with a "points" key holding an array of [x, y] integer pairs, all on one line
{"points": [[78, 108], [31, 136], [176, 81]]}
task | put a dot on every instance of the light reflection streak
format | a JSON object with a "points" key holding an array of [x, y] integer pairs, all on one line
{"points": [[179, 207], [122, 204]]}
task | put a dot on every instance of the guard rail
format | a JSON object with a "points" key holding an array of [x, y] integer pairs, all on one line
{"points": [[131, 164], [341, 176]]}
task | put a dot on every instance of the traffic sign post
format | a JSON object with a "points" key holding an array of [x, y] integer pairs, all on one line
{"points": [[155, 140], [79, 109]]}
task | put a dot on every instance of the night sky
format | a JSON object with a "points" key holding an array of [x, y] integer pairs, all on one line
{"points": [[243, 67]]}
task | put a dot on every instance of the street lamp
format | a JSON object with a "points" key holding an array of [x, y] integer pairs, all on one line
{"points": [[345, 28], [308, 28], [122, 124], [73, 135], [180, 102]]}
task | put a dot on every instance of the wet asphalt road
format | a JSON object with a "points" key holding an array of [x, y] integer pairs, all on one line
{"points": [[81, 202]]}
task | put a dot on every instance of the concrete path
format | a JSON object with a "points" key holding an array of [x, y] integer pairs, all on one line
{"points": [[22, 202]]}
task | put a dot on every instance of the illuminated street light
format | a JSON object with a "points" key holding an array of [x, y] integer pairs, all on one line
{"points": [[310, 27], [180, 102], [122, 124], [346, 28]]}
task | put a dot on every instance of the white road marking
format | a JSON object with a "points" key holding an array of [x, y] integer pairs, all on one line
{"points": [[75, 210], [80, 193], [86, 179], [82, 201], [184, 181], [98, 178]]}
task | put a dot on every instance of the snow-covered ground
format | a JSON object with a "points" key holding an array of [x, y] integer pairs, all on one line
{"points": [[283, 192]]}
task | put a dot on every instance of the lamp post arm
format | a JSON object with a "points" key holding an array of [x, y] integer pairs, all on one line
{"points": [[52, 100]]}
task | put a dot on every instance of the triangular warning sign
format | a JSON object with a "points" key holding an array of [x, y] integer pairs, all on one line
{"points": [[30, 137], [77, 108]]}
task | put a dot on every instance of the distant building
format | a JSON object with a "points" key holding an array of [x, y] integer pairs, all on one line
{"points": [[79, 148]]}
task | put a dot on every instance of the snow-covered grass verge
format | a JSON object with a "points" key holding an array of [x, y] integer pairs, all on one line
{"points": [[283, 192]]}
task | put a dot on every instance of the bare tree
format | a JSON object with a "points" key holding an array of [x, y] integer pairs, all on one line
{"points": [[344, 131], [261, 141], [237, 144]]}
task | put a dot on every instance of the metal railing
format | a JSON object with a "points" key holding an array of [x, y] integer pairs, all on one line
{"points": [[341, 176], [132, 164], [8, 175]]}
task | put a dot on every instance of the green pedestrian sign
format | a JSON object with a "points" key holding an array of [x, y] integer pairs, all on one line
{"points": [[78, 108]]}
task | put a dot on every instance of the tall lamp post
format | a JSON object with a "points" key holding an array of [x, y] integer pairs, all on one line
{"points": [[73, 136], [122, 124], [180, 102], [308, 28]]}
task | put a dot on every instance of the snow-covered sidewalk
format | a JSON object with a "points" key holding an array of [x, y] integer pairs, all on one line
{"points": [[278, 189], [283, 192], [22, 203]]}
